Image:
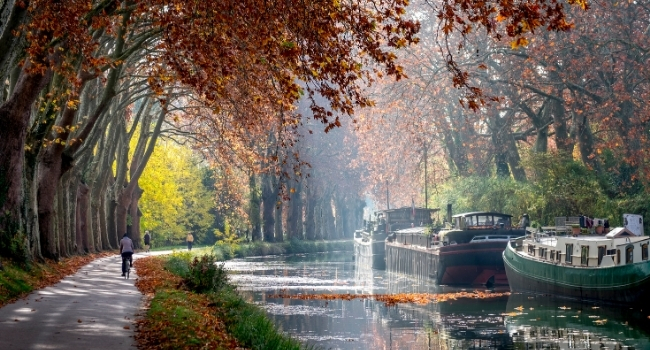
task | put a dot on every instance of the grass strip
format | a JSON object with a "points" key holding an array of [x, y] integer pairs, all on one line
{"points": [[18, 280], [176, 318], [216, 318]]}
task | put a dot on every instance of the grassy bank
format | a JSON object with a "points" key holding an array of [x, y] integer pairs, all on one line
{"points": [[226, 251], [207, 311], [18, 280]]}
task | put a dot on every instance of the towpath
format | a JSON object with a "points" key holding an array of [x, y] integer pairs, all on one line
{"points": [[93, 309]]}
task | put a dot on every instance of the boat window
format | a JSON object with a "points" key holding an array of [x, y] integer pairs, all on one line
{"points": [[542, 253], [485, 220], [644, 251], [552, 255], [531, 250], [618, 256], [629, 254], [601, 252], [568, 257], [584, 255]]}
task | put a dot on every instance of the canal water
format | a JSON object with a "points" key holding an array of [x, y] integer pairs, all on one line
{"points": [[513, 322]]}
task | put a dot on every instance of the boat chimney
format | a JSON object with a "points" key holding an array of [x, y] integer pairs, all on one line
{"points": [[449, 213]]}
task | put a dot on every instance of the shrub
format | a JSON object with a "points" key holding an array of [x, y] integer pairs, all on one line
{"points": [[204, 275]]}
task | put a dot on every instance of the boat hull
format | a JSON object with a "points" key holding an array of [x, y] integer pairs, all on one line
{"points": [[472, 263], [370, 253], [462, 264], [624, 284]]}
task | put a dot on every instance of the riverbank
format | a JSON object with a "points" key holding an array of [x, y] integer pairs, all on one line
{"points": [[226, 251], [18, 280], [206, 309]]}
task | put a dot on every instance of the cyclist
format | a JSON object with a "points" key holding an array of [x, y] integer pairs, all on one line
{"points": [[126, 251]]}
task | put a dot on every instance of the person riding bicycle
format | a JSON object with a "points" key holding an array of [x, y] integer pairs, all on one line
{"points": [[126, 250]]}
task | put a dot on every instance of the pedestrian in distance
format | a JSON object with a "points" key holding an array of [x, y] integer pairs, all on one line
{"points": [[190, 240], [147, 241]]}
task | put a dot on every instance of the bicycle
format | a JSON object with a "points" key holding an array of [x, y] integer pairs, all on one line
{"points": [[126, 266]]}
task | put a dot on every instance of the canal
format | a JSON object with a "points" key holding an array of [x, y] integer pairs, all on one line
{"points": [[510, 322]]}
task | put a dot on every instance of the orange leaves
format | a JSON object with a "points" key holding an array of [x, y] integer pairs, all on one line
{"points": [[393, 299], [152, 275], [177, 319], [521, 41]]}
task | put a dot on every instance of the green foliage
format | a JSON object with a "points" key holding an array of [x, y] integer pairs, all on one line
{"points": [[205, 275], [224, 251], [246, 322], [14, 246], [250, 325], [558, 186], [176, 199], [14, 281], [228, 236]]}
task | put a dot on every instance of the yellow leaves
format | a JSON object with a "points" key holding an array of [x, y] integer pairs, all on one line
{"points": [[72, 104], [582, 3], [501, 18], [521, 41]]}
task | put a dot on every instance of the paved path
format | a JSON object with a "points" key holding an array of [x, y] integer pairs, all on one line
{"points": [[92, 309]]}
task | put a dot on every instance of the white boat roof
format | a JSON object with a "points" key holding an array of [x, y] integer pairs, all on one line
{"points": [[553, 240], [418, 229]]}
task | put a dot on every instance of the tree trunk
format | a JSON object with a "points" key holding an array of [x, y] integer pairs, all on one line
{"points": [[111, 222], [134, 212], [310, 207], [294, 220], [269, 197], [254, 208], [14, 113], [279, 227], [83, 239], [329, 224]]}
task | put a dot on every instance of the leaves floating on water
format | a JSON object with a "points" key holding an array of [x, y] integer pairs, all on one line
{"points": [[392, 299]]}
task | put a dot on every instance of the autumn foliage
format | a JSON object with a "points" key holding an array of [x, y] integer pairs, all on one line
{"points": [[393, 299]]}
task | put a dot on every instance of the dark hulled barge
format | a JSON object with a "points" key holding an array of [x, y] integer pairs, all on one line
{"points": [[467, 253], [369, 242]]}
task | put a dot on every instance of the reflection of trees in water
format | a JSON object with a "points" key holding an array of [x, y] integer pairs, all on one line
{"points": [[547, 323], [461, 324], [548, 338]]}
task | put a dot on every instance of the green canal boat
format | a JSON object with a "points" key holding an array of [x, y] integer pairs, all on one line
{"points": [[609, 268]]}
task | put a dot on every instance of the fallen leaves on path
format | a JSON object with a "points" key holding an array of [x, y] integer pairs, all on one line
{"points": [[178, 319], [51, 272], [393, 299], [152, 275]]}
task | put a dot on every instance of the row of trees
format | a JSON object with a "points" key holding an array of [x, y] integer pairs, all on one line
{"points": [[89, 87], [79, 80], [562, 103]]}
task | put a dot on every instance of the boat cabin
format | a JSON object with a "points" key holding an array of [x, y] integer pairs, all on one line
{"points": [[396, 219], [467, 226], [587, 251], [481, 221], [406, 217]]}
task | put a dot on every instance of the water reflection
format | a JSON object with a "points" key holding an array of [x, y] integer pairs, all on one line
{"points": [[549, 323], [515, 322]]}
